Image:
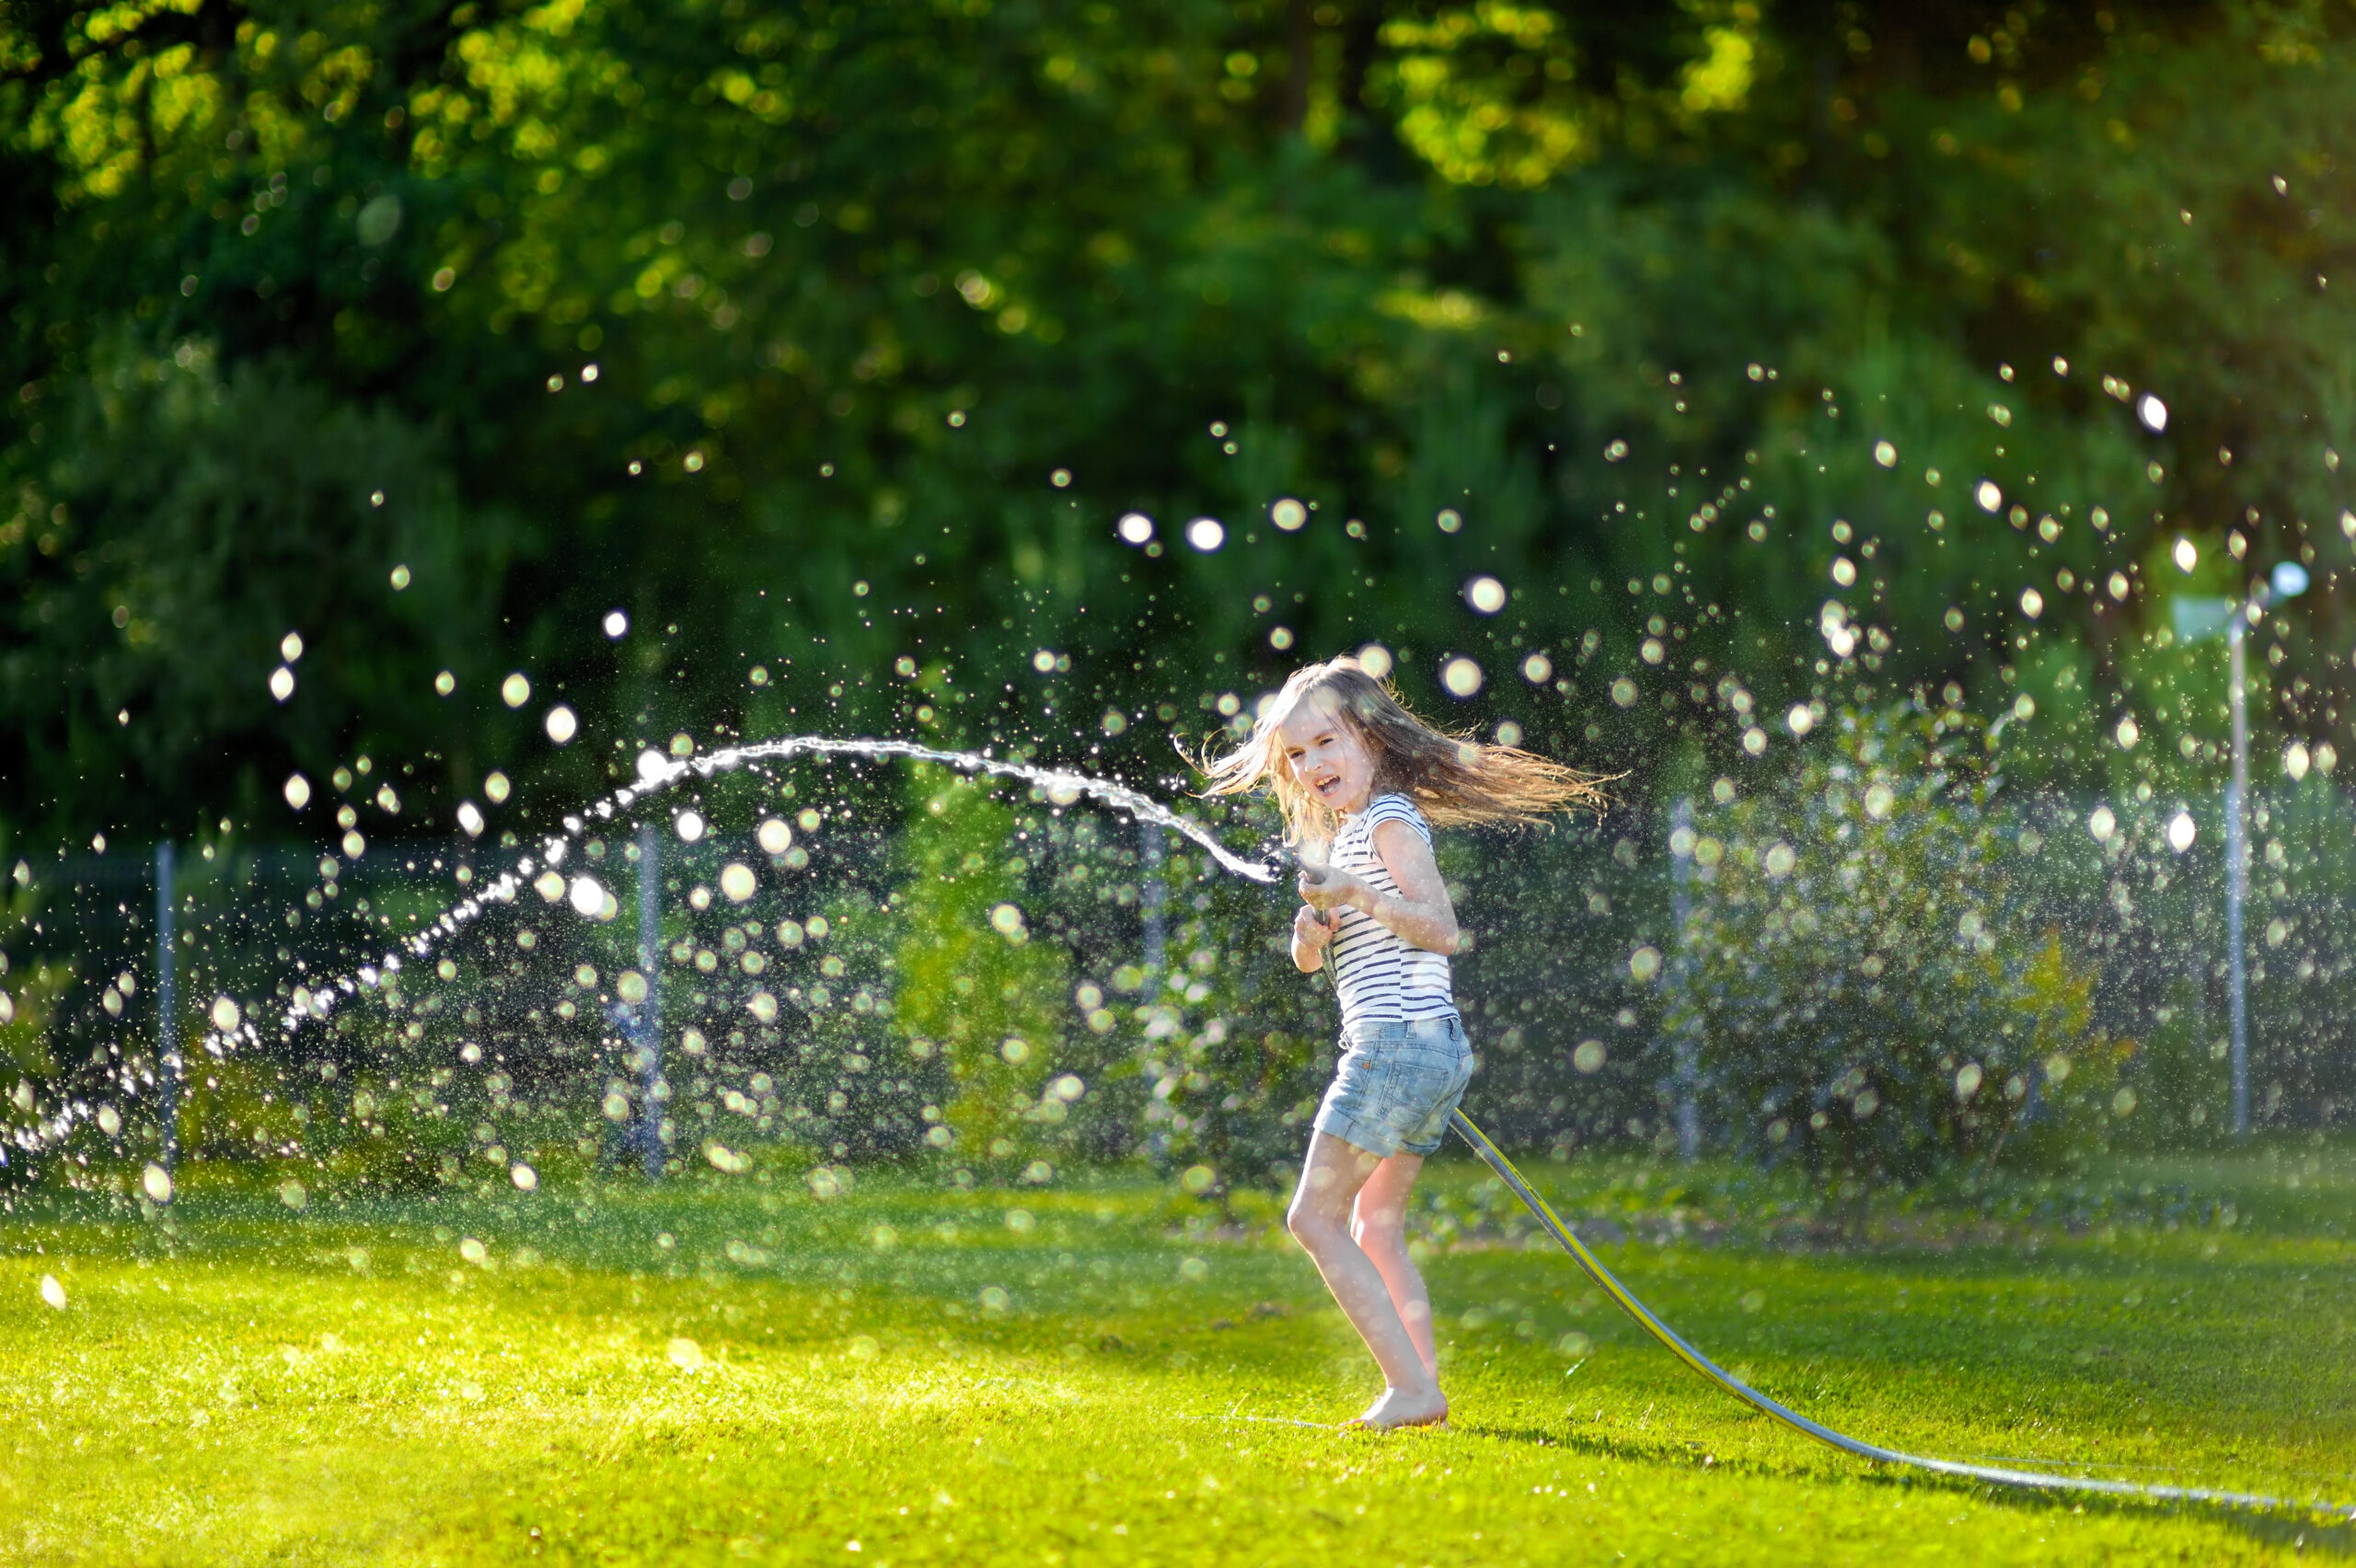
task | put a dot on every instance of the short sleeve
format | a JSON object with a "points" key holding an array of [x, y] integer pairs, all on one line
{"points": [[1396, 808]]}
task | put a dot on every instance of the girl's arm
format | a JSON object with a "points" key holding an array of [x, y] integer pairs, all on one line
{"points": [[1420, 915]]}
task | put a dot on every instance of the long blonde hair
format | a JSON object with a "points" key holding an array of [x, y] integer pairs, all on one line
{"points": [[1453, 780]]}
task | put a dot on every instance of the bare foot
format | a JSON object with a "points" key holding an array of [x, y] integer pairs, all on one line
{"points": [[1397, 1408]]}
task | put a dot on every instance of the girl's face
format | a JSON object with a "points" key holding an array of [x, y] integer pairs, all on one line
{"points": [[1326, 755]]}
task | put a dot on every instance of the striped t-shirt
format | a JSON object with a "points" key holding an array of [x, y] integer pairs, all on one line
{"points": [[1378, 977]]}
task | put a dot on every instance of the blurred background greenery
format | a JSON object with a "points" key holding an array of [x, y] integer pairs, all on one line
{"points": [[1680, 377], [893, 309]]}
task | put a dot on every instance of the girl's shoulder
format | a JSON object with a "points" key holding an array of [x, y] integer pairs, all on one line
{"points": [[1393, 808]]}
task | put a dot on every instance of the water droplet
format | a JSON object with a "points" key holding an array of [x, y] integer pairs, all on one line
{"points": [[1206, 534], [2153, 412], [496, 788], [2187, 555], [1879, 799], [1460, 676], [562, 724], [2102, 824], [2295, 760], [1375, 660], [1990, 496], [1485, 595], [400, 578], [1015, 1049], [1967, 1080], [473, 1252], [1623, 692], [1450, 520], [1644, 963], [1589, 1058], [1538, 669], [2182, 831], [297, 790], [1288, 514], [471, 819], [588, 895], [157, 1183], [525, 1178], [616, 624], [688, 825], [2032, 603], [1800, 720], [1885, 453], [1007, 921], [2024, 708], [110, 1121], [225, 1014], [515, 690], [1194, 1270], [290, 647], [290, 1193], [2129, 732], [1135, 528], [736, 883], [1780, 859], [52, 1293], [282, 683]]}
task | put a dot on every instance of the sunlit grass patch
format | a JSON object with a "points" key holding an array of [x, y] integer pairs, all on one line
{"points": [[1097, 1371]]}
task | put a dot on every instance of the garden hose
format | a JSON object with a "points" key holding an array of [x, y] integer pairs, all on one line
{"points": [[1711, 1371]]}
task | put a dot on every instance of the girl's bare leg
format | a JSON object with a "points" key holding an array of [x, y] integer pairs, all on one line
{"points": [[1331, 1179], [1378, 1225]]}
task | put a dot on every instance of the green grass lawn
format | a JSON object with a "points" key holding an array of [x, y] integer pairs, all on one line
{"points": [[739, 1370]]}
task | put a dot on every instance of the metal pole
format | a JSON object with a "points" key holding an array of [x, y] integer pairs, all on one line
{"points": [[2237, 871], [168, 1029], [1686, 1051], [650, 1012], [1152, 896]]}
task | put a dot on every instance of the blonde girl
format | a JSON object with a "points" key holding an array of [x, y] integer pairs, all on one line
{"points": [[1361, 782]]}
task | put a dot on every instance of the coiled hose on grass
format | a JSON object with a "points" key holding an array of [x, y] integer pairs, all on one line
{"points": [[1710, 1371]]}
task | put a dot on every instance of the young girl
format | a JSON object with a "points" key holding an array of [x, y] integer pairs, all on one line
{"points": [[1361, 781]]}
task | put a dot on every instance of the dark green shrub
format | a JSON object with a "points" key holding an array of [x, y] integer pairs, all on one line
{"points": [[1865, 972]]}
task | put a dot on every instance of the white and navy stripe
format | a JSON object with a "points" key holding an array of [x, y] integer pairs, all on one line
{"points": [[1380, 977]]}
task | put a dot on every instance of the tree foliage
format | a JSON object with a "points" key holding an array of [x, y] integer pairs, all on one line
{"points": [[893, 309]]}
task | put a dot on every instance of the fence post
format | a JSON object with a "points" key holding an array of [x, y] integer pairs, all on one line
{"points": [[1686, 1051], [168, 1026], [1152, 896], [650, 1012], [2237, 876]]}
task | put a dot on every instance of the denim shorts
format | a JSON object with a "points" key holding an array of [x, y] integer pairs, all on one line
{"points": [[1397, 1085]]}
